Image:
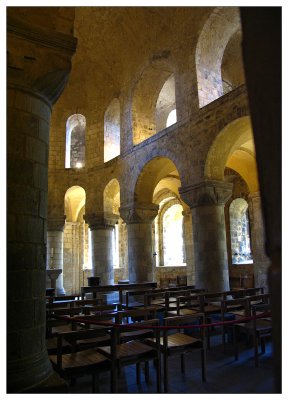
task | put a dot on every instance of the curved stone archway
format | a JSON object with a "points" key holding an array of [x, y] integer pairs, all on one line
{"points": [[146, 113], [233, 147], [216, 33]]}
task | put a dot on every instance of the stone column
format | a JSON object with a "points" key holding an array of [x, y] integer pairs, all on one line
{"points": [[102, 226], [140, 250], [55, 227], [39, 62], [189, 246], [260, 261], [207, 200]]}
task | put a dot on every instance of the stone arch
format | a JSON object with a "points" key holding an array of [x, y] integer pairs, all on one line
{"points": [[112, 130], [145, 119], [221, 25], [75, 141], [239, 231], [74, 201], [232, 68], [233, 147], [166, 104], [152, 173], [111, 197]]}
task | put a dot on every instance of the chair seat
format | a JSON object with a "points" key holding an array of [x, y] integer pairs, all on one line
{"points": [[136, 334], [262, 326], [183, 311], [127, 350], [179, 341], [84, 360], [51, 345], [94, 342]]}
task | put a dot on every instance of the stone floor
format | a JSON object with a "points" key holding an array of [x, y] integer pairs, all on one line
{"points": [[224, 375]]}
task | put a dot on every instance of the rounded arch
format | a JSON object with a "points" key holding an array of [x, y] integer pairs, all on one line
{"points": [[239, 231], [152, 173], [221, 25], [166, 104], [111, 197], [112, 130], [75, 141], [146, 117], [74, 201], [233, 147]]}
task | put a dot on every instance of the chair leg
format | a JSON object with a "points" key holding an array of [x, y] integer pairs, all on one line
{"points": [[114, 378], [147, 371], [158, 374], [235, 344], [95, 383], [138, 373], [165, 371], [263, 347], [182, 363], [256, 350], [203, 364]]}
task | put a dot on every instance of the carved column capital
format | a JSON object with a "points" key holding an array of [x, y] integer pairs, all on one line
{"points": [[101, 220], [39, 60], [206, 193], [139, 213], [56, 223]]}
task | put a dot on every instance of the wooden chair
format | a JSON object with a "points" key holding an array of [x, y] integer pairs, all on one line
{"points": [[251, 329], [132, 352], [76, 363], [181, 343], [262, 329], [231, 310]]}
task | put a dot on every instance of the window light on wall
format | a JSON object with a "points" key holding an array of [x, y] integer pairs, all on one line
{"points": [[172, 118]]}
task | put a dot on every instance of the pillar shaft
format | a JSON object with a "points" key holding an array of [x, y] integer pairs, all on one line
{"points": [[260, 261], [140, 250], [29, 119], [102, 231], [189, 247], [33, 86], [207, 200], [55, 227]]}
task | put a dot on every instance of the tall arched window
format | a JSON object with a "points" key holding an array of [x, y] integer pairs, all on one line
{"points": [[173, 244], [75, 141], [166, 105], [172, 118], [112, 131], [239, 231]]}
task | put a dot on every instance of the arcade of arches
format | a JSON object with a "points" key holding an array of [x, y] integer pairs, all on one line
{"points": [[148, 153]]}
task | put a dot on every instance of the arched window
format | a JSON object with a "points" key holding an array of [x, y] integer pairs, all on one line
{"points": [[75, 141], [173, 243], [172, 118], [166, 105], [112, 131], [239, 231]]}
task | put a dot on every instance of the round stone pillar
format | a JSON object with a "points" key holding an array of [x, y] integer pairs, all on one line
{"points": [[140, 250], [189, 246], [102, 226], [39, 62], [55, 227], [260, 261], [207, 200]]}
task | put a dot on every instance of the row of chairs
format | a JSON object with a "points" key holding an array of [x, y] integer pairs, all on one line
{"points": [[110, 347], [85, 345]]}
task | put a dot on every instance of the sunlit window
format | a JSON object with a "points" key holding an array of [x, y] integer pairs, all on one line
{"points": [[172, 118], [75, 141], [116, 246], [173, 236], [239, 231]]}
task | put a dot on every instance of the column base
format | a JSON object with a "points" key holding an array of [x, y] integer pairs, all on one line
{"points": [[53, 384]]}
